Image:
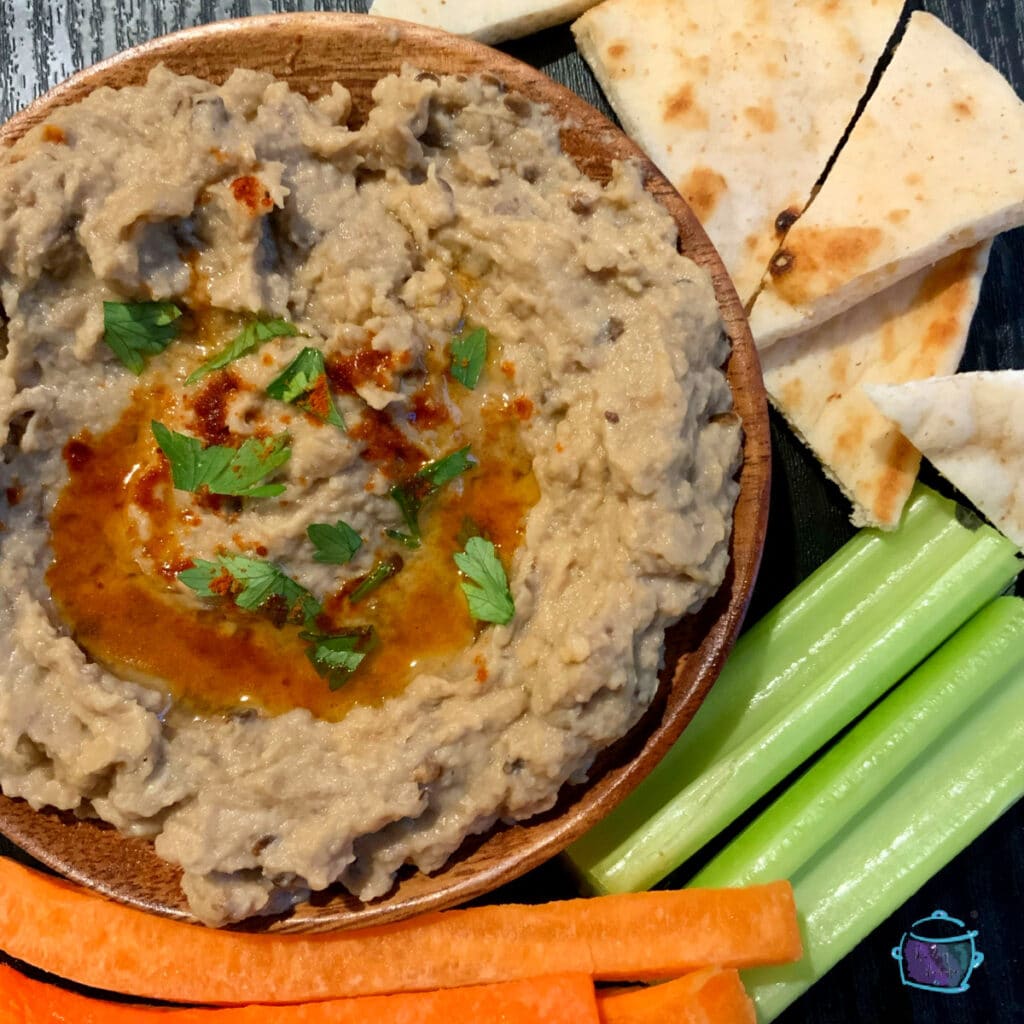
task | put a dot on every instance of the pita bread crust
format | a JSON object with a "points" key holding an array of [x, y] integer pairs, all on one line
{"points": [[739, 103], [970, 428], [935, 164], [489, 21], [916, 329]]}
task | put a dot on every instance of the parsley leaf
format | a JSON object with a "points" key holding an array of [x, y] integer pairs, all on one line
{"points": [[336, 656], [443, 471], [335, 545], [138, 329], [469, 353], [304, 382], [426, 482], [409, 504], [405, 539], [247, 340], [234, 471], [251, 583], [488, 594], [377, 575]]}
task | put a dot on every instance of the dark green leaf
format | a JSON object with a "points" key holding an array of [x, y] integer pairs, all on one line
{"points": [[183, 453], [489, 597], [469, 353], [406, 539], [443, 471], [426, 482], [377, 575], [250, 583], [335, 545], [304, 383], [223, 470], [409, 505], [247, 340], [135, 330], [337, 656]]}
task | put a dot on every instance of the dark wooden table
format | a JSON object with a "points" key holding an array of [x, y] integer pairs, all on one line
{"points": [[43, 41]]}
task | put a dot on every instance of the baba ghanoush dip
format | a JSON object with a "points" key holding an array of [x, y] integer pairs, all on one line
{"points": [[351, 475]]}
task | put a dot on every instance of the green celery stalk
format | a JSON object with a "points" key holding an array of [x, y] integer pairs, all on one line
{"points": [[839, 641], [879, 749], [958, 786]]}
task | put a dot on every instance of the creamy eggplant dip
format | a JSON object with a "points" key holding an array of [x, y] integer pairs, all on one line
{"points": [[351, 475]]}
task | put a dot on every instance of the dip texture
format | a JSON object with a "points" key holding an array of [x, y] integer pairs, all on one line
{"points": [[601, 463]]}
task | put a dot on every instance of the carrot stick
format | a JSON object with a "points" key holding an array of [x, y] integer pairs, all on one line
{"points": [[709, 996], [554, 999], [637, 936]]}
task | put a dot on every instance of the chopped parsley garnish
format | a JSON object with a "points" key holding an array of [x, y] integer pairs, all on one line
{"points": [[223, 470], [247, 340], [489, 597], [381, 572], [337, 656], [405, 539], [304, 383], [469, 353], [135, 330], [444, 470], [335, 545], [411, 495], [252, 583]]}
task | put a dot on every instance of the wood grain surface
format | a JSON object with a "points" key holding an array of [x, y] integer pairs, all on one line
{"points": [[41, 41]]}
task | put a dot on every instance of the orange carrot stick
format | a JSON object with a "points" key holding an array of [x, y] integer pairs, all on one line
{"points": [[709, 996], [554, 999], [631, 937]]}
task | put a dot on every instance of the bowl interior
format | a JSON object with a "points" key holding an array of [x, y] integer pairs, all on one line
{"points": [[312, 51]]}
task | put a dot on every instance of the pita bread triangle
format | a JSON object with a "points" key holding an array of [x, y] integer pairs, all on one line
{"points": [[935, 163], [490, 21], [918, 328], [740, 103], [971, 428]]}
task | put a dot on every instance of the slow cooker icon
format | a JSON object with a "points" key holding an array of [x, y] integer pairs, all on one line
{"points": [[938, 954]]}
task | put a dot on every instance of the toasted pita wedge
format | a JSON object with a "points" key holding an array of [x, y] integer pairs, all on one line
{"points": [[918, 328], [970, 428], [740, 103], [490, 21], [935, 163]]}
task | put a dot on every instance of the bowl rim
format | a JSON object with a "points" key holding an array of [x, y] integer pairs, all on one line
{"points": [[49, 835]]}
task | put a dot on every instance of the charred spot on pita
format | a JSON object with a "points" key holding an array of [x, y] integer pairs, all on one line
{"points": [[786, 220], [782, 263], [702, 190]]}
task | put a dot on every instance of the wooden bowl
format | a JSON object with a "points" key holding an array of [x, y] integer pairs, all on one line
{"points": [[311, 51]]}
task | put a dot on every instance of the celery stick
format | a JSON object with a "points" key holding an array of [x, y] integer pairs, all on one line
{"points": [[814, 663], [823, 612], [875, 752], [958, 787]]}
